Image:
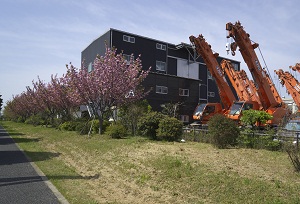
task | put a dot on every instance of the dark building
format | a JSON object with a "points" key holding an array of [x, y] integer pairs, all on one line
{"points": [[178, 74]]}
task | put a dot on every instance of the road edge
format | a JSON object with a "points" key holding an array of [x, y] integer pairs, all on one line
{"points": [[55, 191]]}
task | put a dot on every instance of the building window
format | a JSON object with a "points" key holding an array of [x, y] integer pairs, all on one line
{"points": [[127, 38], [90, 67], [184, 92], [128, 58], [160, 66], [235, 66], [161, 89], [160, 46], [211, 94], [184, 118], [209, 76]]}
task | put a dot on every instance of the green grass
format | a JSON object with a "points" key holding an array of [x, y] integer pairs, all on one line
{"points": [[138, 170]]}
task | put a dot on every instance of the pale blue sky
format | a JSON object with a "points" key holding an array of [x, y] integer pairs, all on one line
{"points": [[38, 37]]}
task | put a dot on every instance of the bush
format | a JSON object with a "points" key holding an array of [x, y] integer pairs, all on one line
{"points": [[259, 140], [82, 128], [68, 126], [170, 129], [223, 132], [148, 124], [35, 120], [95, 128], [116, 131], [252, 117]]}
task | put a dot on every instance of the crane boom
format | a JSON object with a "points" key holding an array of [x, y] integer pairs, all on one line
{"points": [[204, 49], [240, 82], [250, 87], [268, 94], [265, 88], [296, 67], [292, 85]]}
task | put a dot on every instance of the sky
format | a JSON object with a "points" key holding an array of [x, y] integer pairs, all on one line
{"points": [[39, 37]]}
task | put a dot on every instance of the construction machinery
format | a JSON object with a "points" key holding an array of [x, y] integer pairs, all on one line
{"points": [[251, 89], [204, 112], [268, 94], [230, 104], [296, 67], [248, 98], [244, 87], [292, 85]]}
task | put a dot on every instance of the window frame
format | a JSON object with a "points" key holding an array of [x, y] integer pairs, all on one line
{"points": [[128, 58], [160, 46], [90, 67], [159, 65], [184, 118], [184, 92], [128, 38], [209, 76], [211, 94], [161, 89]]}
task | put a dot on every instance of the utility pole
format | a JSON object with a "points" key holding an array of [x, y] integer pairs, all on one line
{"points": [[1, 103]]}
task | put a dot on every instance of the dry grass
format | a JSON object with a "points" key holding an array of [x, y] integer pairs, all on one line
{"points": [[136, 170]]}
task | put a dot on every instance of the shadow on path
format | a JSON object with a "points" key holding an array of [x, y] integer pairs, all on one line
{"points": [[32, 179], [14, 157]]}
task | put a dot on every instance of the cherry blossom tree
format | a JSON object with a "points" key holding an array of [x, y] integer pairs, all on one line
{"points": [[58, 95], [112, 82]]}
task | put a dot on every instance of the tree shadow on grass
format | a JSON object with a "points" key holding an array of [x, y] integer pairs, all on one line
{"points": [[61, 177], [6, 140], [25, 140]]}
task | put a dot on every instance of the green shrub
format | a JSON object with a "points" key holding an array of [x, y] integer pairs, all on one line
{"points": [[273, 145], [82, 128], [254, 139], [148, 124], [223, 131], [170, 129], [116, 131], [65, 126], [20, 120], [69, 125], [95, 128], [35, 120]]}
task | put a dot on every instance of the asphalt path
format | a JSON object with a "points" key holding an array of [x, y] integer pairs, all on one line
{"points": [[20, 180]]}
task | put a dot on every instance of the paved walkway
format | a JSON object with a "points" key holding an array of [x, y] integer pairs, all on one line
{"points": [[21, 181]]}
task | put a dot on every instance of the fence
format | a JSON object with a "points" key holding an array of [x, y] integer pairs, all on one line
{"points": [[259, 140]]}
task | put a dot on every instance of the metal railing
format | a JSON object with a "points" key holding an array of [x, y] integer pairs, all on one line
{"points": [[259, 138]]}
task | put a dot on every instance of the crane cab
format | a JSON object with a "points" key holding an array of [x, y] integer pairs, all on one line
{"points": [[235, 112], [205, 111]]}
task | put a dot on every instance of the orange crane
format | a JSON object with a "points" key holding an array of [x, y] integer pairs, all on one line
{"points": [[292, 85], [243, 90], [251, 88], [231, 105], [243, 86], [296, 67], [204, 112], [268, 94]]}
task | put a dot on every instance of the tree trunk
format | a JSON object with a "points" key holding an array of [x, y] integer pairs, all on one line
{"points": [[100, 118], [100, 126]]}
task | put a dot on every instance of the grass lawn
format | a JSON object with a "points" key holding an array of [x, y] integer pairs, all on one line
{"points": [[138, 170]]}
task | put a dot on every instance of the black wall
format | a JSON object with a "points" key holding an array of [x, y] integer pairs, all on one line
{"points": [[97, 47], [174, 84], [142, 46]]}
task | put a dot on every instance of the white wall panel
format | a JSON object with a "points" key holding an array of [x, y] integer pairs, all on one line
{"points": [[187, 70]]}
